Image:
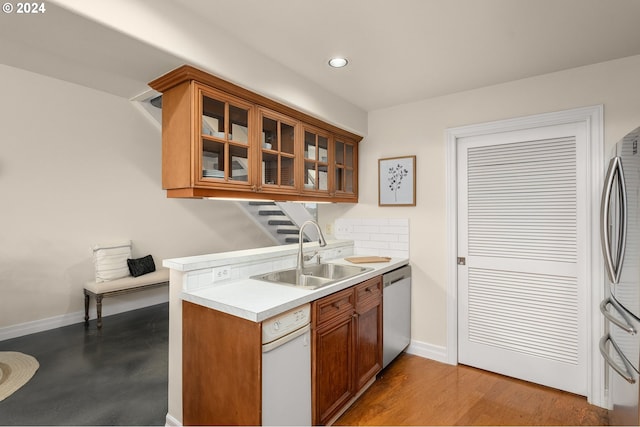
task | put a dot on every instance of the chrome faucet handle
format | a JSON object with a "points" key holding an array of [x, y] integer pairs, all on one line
{"points": [[309, 257]]}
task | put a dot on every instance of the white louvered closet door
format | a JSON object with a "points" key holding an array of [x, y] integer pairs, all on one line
{"points": [[521, 224]]}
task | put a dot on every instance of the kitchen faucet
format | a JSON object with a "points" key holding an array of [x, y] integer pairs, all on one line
{"points": [[321, 242]]}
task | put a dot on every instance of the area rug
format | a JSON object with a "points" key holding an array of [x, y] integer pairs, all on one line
{"points": [[16, 369]]}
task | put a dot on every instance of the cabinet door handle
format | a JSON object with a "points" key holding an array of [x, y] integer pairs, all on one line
{"points": [[336, 305]]}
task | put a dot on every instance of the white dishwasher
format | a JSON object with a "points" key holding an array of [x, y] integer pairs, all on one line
{"points": [[286, 368]]}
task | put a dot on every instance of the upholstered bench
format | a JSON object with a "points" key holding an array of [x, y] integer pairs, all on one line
{"points": [[121, 286]]}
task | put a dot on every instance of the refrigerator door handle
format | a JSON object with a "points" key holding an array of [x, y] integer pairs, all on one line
{"points": [[626, 326], [614, 265], [627, 371], [622, 241]]}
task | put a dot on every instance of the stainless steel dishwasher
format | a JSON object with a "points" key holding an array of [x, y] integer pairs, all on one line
{"points": [[396, 313], [286, 368]]}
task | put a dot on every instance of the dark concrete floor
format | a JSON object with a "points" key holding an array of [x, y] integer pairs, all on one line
{"points": [[117, 376]]}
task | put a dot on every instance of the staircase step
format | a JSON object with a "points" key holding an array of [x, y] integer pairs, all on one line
{"points": [[288, 231], [275, 212], [295, 240], [263, 203], [279, 222]]}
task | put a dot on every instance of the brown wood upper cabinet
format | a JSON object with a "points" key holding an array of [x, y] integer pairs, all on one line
{"points": [[220, 140], [347, 346]]}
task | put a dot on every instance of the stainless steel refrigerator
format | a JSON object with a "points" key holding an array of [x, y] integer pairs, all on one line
{"points": [[620, 237]]}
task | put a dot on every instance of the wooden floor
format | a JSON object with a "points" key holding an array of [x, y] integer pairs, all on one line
{"points": [[417, 391]]}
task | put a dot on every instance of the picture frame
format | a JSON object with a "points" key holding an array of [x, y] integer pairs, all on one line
{"points": [[397, 181]]}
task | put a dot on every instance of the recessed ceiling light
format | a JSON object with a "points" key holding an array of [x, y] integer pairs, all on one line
{"points": [[338, 62]]}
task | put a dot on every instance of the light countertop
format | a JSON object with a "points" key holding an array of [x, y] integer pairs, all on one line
{"points": [[257, 300]]}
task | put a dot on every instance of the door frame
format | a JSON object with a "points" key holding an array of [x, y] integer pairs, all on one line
{"points": [[592, 120]]}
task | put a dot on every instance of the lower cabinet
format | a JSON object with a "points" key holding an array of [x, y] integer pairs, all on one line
{"points": [[347, 346], [221, 368], [222, 358], [369, 331]]}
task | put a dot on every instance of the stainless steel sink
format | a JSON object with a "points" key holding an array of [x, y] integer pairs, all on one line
{"points": [[312, 276]]}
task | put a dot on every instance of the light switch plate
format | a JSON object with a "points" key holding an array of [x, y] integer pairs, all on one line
{"points": [[329, 228]]}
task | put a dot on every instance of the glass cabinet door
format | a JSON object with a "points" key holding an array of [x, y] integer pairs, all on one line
{"points": [[316, 161], [277, 151], [345, 169], [225, 138]]}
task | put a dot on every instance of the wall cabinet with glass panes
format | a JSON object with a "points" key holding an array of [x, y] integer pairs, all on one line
{"points": [[316, 161], [345, 164], [220, 140], [224, 152], [277, 153]]}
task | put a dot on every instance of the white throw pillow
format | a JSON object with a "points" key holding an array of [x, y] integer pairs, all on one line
{"points": [[111, 261]]}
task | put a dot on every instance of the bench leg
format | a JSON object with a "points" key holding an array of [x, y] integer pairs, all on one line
{"points": [[99, 309], [86, 309]]}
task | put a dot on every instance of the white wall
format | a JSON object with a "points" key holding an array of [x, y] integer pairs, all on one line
{"points": [[78, 167], [419, 129]]}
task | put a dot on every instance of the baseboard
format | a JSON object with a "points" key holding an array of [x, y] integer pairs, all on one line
{"points": [[110, 306], [428, 351], [172, 422]]}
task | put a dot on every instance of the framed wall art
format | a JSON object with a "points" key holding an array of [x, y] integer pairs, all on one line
{"points": [[397, 181]]}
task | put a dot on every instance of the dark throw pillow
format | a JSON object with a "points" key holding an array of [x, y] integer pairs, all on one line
{"points": [[140, 266]]}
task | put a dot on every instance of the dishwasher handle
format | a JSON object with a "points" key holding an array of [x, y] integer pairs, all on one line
{"points": [[396, 275], [285, 339]]}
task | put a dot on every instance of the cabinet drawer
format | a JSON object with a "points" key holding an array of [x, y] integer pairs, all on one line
{"points": [[332, 306], [369, 291]]}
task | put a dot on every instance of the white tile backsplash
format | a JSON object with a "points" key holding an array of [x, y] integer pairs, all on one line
{"points": [[371, 244], [375, 236], [389, 237], [394, 230], [366, 229], [198, 279]]}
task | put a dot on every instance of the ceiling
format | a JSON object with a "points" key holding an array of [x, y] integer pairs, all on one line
{"points": [[399, 50], [406, 50]]}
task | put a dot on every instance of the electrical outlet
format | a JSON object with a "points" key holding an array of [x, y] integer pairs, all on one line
{"points": [[222, 273], [343, 229]]}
